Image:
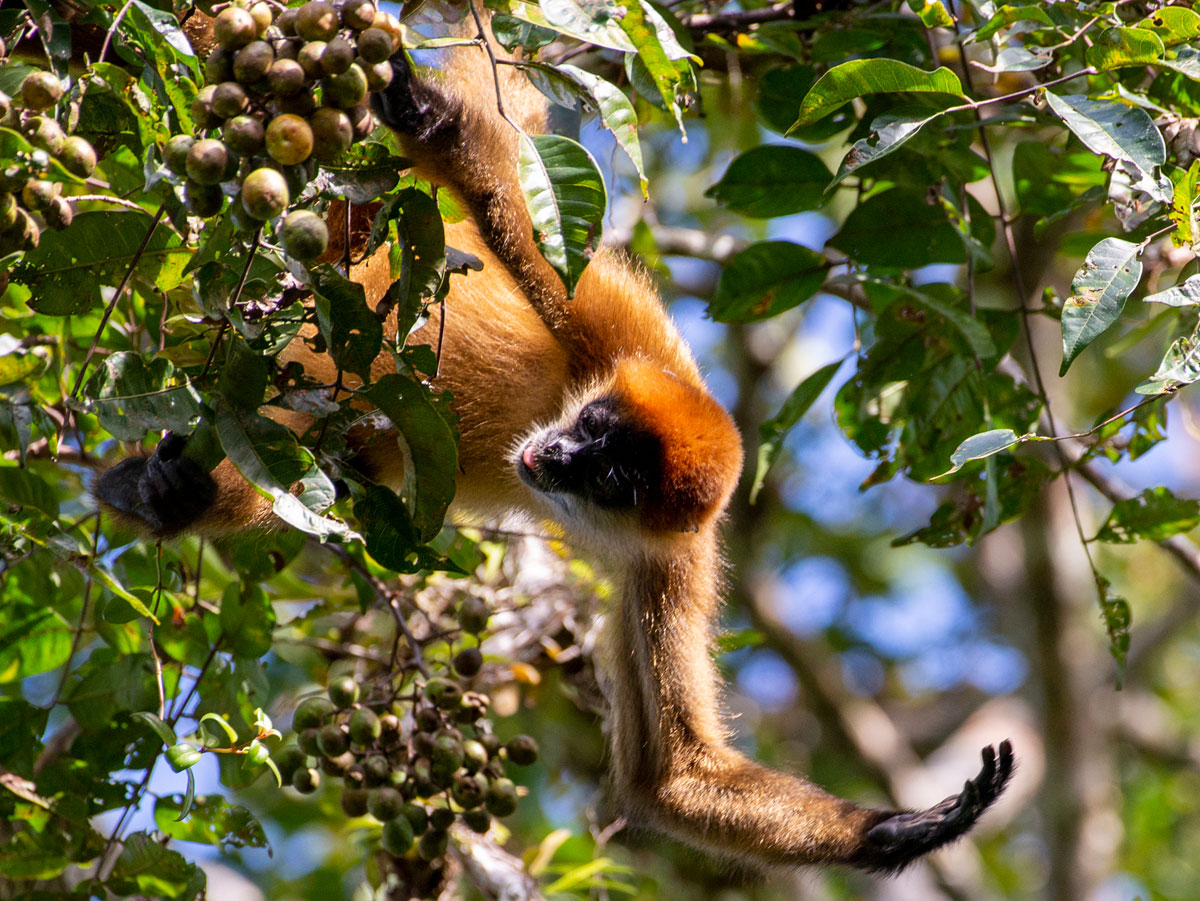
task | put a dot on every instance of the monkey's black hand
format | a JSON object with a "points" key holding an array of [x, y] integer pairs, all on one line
{"points": [[166, 491], [905, 836]]}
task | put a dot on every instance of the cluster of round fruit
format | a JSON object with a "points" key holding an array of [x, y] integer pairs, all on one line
{"points": [[286, 88], [417, 775], [28, 201]]}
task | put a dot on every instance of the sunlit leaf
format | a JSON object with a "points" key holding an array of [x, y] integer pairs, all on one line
{"points": [[1117, 47], [1185, 294], [861, 77], [1113, 129], [1099, 290], [1173, 24], [977, 447]]}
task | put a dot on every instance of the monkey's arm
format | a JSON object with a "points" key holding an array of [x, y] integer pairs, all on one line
{"points": [[166, 494]]}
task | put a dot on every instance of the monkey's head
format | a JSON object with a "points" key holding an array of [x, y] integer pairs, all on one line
{"points": [[643, 446]]}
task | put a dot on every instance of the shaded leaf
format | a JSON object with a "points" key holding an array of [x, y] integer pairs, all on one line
{"points": [[247, 620], [352, 331], [1155, 515], [1180, 366], [1113, 129], [211, 821], [1098, 292], [23, 488], [132, 396], [899, 228], [1184, 294], [765, 279], [147, 868], [772, 180]]}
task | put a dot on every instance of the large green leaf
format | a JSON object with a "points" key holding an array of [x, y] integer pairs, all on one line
{"points": [[131, 396], [1098, 292], [899, 228], [772, 180], [765, 279], [352, 331], [1111, 128], [68, 268], [648, 41], [565, 195], [889, 132], [615, 111], [1156, 514], [1184, 294], [1118, 47], [247, 620], [23, 488], [1180, 366], [211, 821], [147, 868], [1173, 25], [861, 77]]}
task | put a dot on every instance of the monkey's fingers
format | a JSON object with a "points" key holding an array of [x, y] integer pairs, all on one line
{"points": [[905, 836]]}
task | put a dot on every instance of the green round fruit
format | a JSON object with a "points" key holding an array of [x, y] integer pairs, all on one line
{"points": [[389, 723], [263, 15], [317, 21], [219, 66], [445, 693], [302, 103], [253, 62], [207, 161], [343, 692], [312, 713], [234, 28], [298, 176], [203, 200], [202, 109], [468, 791], [441, 818], [354, 802], [38, 193], [417, 816], [240, 219], [289, 141], [337, 766], [475, 756], [376, 768], [364, 725], [379, 75], [375, 45], [245, 134], [332, 133], [468, 662], [229, 100], [345, 90], [309, 58], [478, 820], [332, 741], [286, 77], [339, 54], [309, 741], [40, 90], [45, 132], [385, 803], [522, 750], [397, 837], [358, 14], [58, 213], [78, 156], [305, 237], [288, 760], [427, 718], [501, 797], [433, 844], [306, 780], [473, 615], [265, 194]]}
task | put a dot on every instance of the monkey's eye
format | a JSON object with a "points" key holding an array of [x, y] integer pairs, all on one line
{"points": [[590, 422]]}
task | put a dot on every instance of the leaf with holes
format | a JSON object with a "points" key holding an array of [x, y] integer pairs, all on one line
{"points": [[565, 195], [1156, 514], [1116, 48], [1098, 293]]}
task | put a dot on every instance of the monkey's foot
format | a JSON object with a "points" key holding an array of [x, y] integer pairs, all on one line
{"points": [[166, 491], [905, 836]]}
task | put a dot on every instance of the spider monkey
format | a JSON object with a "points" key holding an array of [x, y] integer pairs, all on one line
{"points": [[591, 412]]}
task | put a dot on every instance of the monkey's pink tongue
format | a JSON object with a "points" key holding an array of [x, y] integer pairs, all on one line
{"points": [[527, 456]]}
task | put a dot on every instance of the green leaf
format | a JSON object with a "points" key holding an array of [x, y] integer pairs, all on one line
{"points": [[1180, 366], [1118, 47], [247, 620], [772, 180], [1098, 293], [387, 528], [1184, 294], [107, 580], [1183, 210], [931, 13], [765, 279], [33, 639], [222, 724], [1113, 129], [147, 868], [352, 331], [1156, 514], [890, 131], [647, 40], [597, 22], [156, 725], [22, 488], [132, 396], [566, 198], [899, 228], [212, 821], [429, 438], [1117, 621], [772, 432], [977, 447], [860, 77], [183, 756], [67, 269], [1173, 25], [616, 114]]}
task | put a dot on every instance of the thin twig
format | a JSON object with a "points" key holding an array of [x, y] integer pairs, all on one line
{"points": [[104, 198], [487, 46], [738, 20], [113, 30]]}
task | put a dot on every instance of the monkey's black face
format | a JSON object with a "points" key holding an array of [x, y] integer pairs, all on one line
{"points": [[601, 457]]}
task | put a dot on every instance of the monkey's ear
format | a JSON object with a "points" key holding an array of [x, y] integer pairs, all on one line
{"points": [[163, 494]]}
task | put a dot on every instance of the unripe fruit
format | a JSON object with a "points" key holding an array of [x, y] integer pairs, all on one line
{"points": [[343, 692], [289, 141], [375, 45], [332, 133], [345, 90], [234, 28], [389, 23], [501, 798], [219, 66], [286, 22], [263, 16], [468, 791], [289, 760], [433, 844], [427, 718], [40, 90], [364, 726], [417, 816], [207, 161], [317, 21], [312, 713], [202, 108], [245, 134], [473, 615], [358, 14], [286, 77], [305, 237], [306, 780], [441, 818], [445, 693], [8, 211], [302, 103], [354, 802], [389, 723], [205, 201], [46, 133], [253, 61], [397, 837], [228, 99], [522, 750], [477, 820], [376, 768], [339, 54], [337, 766], [309, 58], [385, 804], [78, 156], [38, 194], [468, 662], [379, 75], [240, 219], [58, 213], [331, 739]]}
